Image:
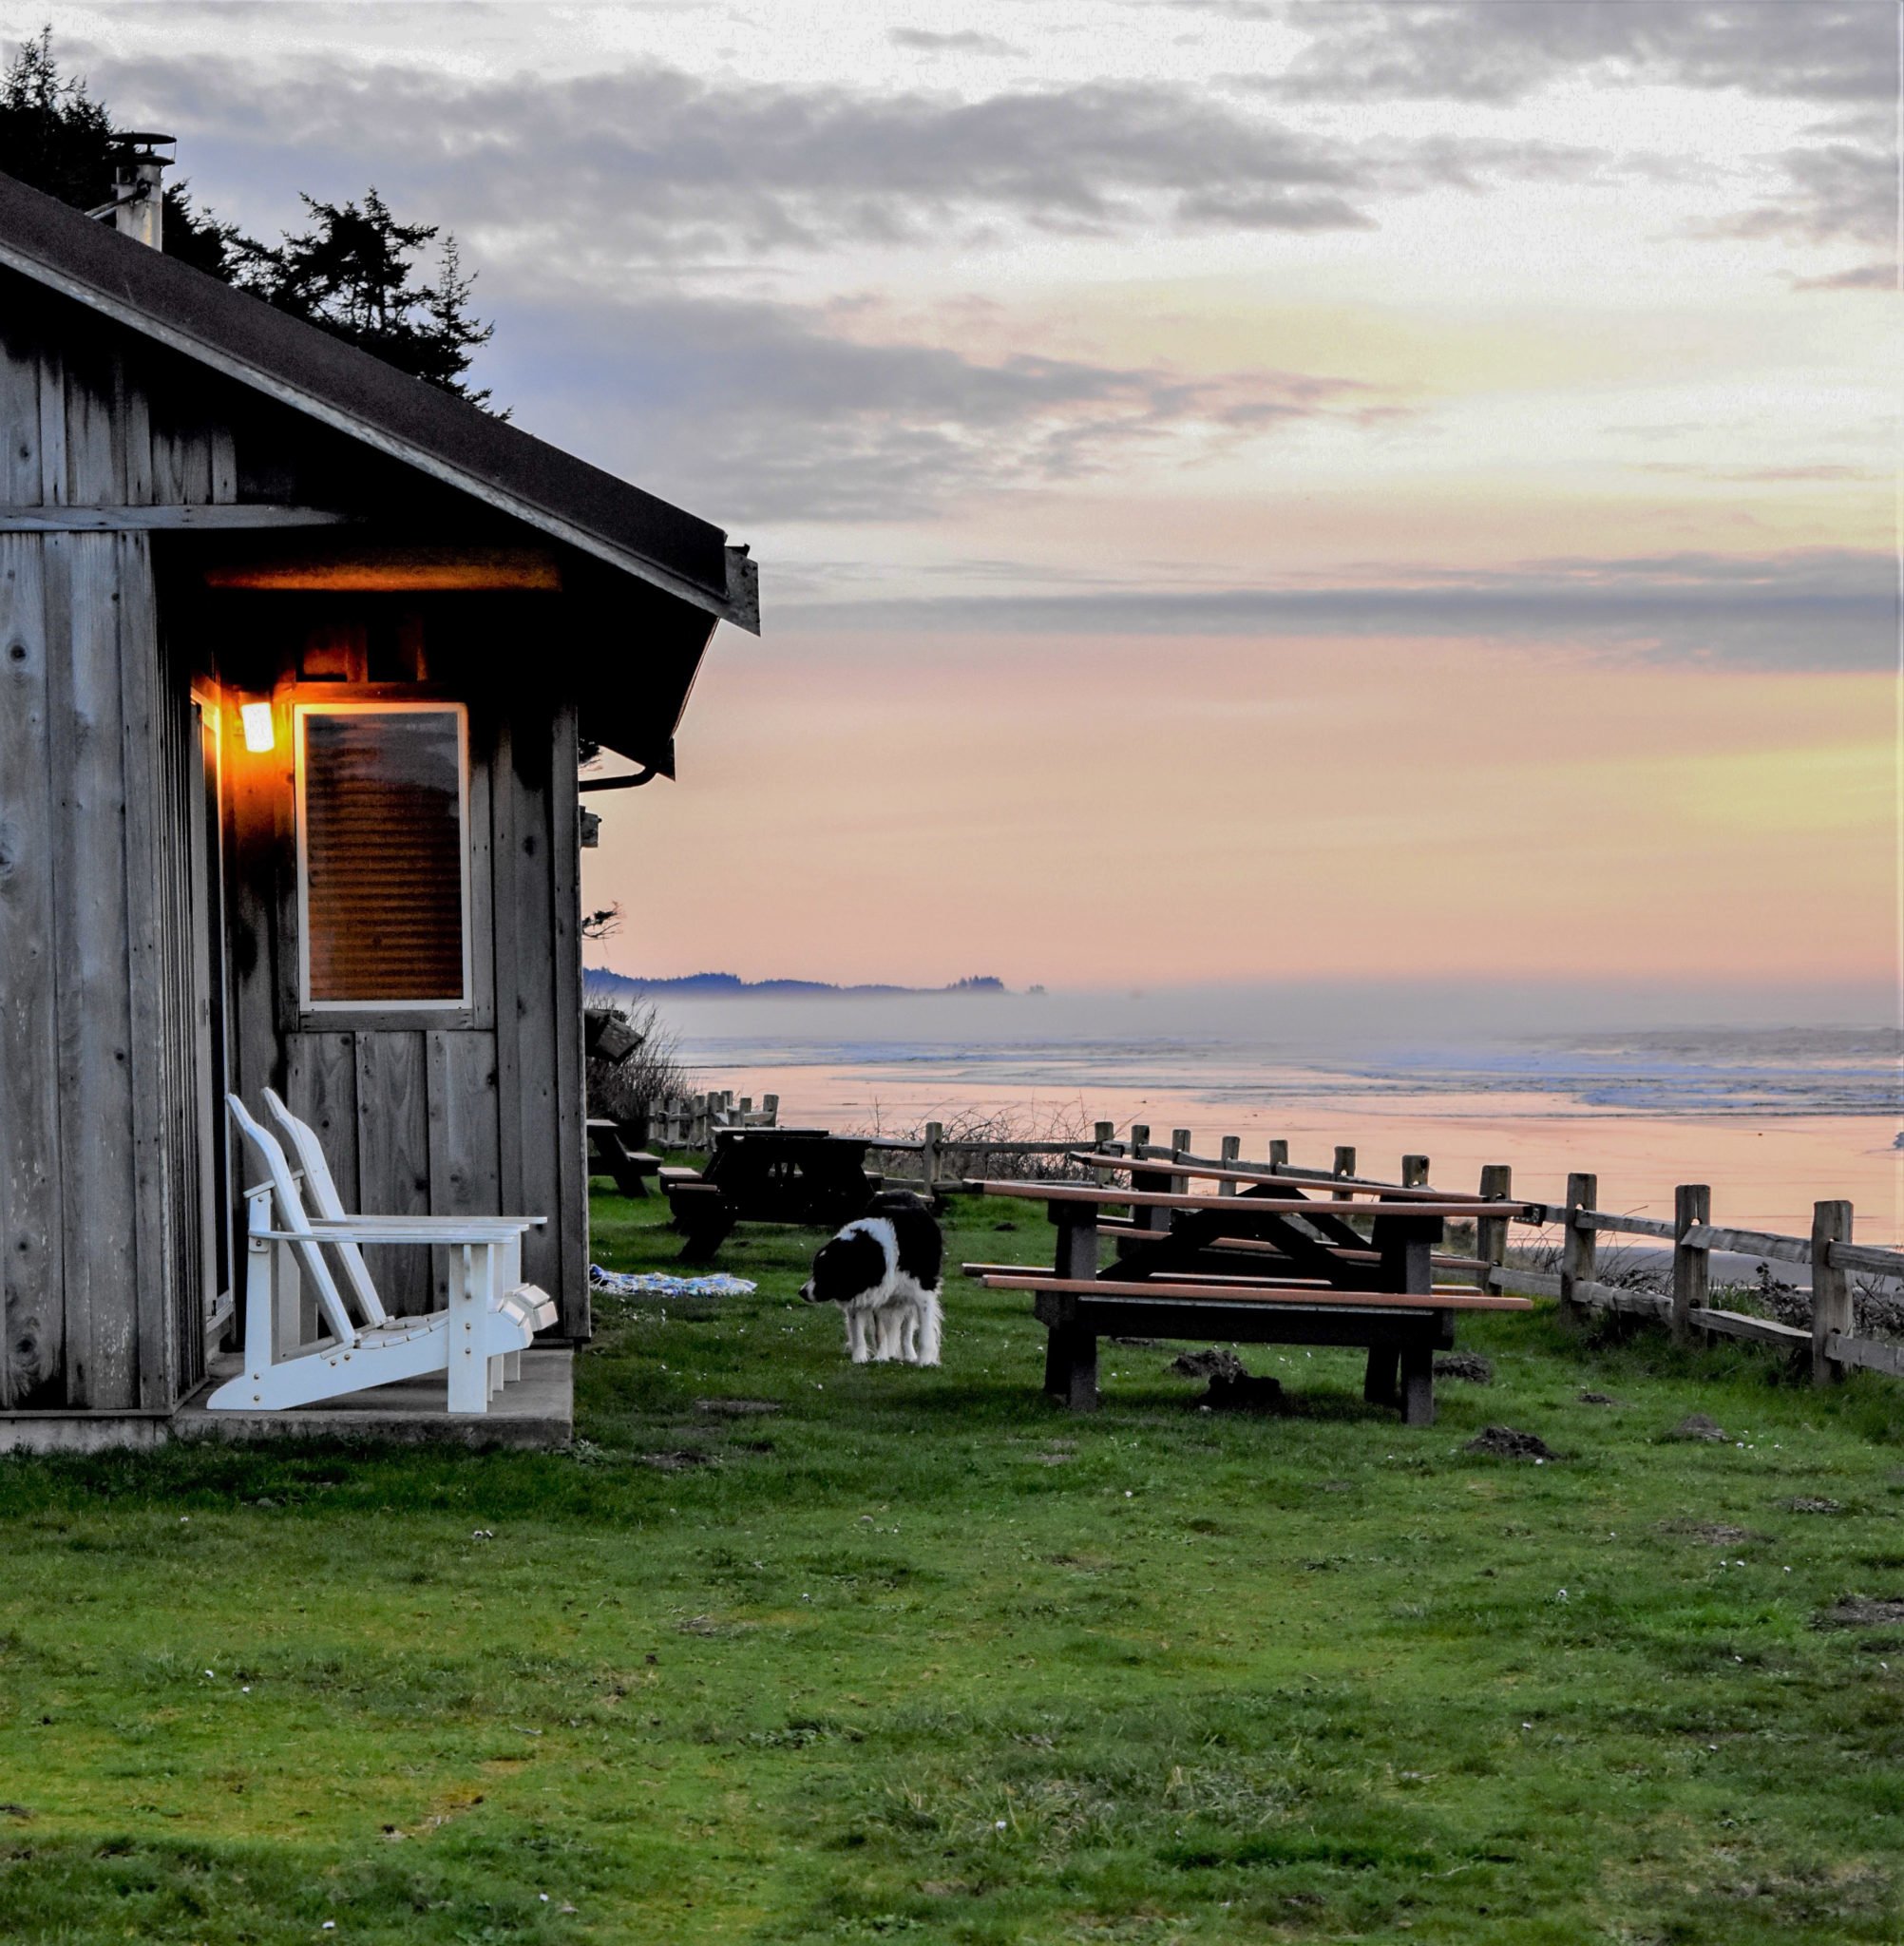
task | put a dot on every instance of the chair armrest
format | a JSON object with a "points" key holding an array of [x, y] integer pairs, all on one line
{"points": [[433, 1225], [424, 1229]]}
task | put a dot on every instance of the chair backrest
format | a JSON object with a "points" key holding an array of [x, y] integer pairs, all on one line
{"points": [[323, 1191], [294, 1222]]}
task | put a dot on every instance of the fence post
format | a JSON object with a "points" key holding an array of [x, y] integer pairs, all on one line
{"points": [[1232, 1149], [1414, 1172], [697, 1126], [1579, 1246], [1831, 1289], [1345, 1166], [1279, 1155], [1491, 1233], [1691, 1269], [1180, 1147], [770, 1107], [1103, 1133], [1146, 1215], [928, 1159]]}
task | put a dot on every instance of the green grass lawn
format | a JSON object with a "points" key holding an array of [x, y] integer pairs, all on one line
{"points": [[917, 1653]]}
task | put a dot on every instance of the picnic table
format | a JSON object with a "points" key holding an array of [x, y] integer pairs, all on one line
{"points": [[770, 1176], [609, 1154], [1262, 1261]]}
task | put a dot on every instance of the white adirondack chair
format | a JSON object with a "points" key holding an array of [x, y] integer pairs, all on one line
{"points": [[477, 1342]]}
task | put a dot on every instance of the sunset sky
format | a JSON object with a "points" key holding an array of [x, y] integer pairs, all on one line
{"points": [[1242, 491]]}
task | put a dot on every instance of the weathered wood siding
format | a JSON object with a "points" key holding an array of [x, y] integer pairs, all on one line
{"points": [[101, 1242], [97, 1139]]}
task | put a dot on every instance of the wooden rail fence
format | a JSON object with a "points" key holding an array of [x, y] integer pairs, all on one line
{"points": [[1831, 1344]]}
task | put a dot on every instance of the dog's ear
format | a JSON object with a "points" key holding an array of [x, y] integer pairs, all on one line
{"points": [[847, 1266]]}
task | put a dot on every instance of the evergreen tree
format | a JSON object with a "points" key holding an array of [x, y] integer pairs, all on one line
{"points": [[351, 274]]}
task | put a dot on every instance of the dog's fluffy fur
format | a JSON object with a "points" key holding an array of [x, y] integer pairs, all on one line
{"points": [[884, 1271]]}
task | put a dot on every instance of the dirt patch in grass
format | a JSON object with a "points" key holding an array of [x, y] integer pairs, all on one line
{"points": [[682, 1460], [1504, 1442], [1806, 1504], [1469, 1366], [1697, 1425], [1861, 1611], [1714, 1533], [737, 1409], [1598, 1399]]}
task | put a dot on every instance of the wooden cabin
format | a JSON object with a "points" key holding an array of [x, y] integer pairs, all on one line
{"points": [[295, 653]]}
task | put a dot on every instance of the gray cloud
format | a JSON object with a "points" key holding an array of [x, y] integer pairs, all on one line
{"points": [[1862, 276], [1822, 609], [1503, 51], [651, 163], [1830, 193], [769, 411], [966, 41]]}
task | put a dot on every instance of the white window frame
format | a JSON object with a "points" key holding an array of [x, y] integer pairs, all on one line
{"points": [[300, 711]]}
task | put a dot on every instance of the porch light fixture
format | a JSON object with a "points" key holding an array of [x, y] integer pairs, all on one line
{"points": [[259, 734]]}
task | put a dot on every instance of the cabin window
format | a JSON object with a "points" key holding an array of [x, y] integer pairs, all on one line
{"points": [[382, 856]]}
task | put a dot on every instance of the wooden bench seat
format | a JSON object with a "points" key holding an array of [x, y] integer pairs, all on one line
{"points": [[1451, 1297]]}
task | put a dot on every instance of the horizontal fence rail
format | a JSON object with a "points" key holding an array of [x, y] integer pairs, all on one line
{"points": [[1830, 1342]]}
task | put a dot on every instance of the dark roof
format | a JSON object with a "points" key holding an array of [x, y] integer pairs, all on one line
{"points": [[308, 370]]}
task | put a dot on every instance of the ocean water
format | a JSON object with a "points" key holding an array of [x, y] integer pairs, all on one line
{"points": [[1773, 1117]]}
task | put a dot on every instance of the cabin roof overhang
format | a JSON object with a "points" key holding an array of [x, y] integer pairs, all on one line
{"points": [[418, 424]]}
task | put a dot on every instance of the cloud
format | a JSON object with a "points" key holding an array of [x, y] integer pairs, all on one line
{"points": [[1817, 609], [780, 412], [966, 41], [1862, 277], [1503, 51], [1830, 192], [651, 163]]}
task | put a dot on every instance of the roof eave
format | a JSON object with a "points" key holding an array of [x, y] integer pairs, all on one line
{"points": [[737, 602]]}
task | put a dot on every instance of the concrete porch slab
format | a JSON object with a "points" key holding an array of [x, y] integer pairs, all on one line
{"points": [[537, 1409]]}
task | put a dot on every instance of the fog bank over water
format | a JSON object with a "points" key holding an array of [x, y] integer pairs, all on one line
{"points": [[1362, 1019]]}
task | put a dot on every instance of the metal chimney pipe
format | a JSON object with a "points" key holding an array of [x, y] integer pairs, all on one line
{"points": [[138, 197]]}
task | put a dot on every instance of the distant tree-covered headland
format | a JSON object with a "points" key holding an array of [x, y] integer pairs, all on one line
{"points": [[731, 986], [356, 272]]}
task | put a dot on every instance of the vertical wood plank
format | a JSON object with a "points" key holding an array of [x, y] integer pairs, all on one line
{"points": [[464, 1166], [53, 442], [152, 1010], [19, 415], [1414, 1172], [393, 1159], [132, 415], [221, 456], [570, 1106], [31, 1275], [94, 1024], [320, 1087], [95, 465], [1230, 1154], [505, 956]]}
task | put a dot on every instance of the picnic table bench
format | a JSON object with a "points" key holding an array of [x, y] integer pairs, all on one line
{"points": [[770, 1176], [1263, 1262], [609, 1154]]}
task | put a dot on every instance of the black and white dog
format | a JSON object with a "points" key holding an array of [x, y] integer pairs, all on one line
{"points": [[884, 1271]]}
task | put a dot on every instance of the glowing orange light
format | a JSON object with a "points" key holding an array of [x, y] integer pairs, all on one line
{"points": [[258, 732]]}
